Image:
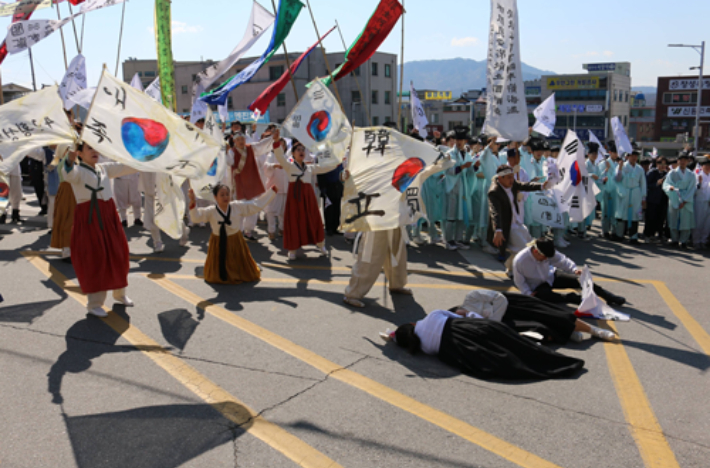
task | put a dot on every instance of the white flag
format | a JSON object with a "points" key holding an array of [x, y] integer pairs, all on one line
{"points": [[74, 81], [545, 116], [418, 115], [577, 191], [170, 204], [623, 145], [84, 97], [654, 154], [129, 127], [223, 113], [546, 211], [318, 122], [506, 113], [259, 22], [24, 34], [203, 185], [593, 139], [137, 83], [34, 120], [387, 170], [153, 90], [592, 306], [199, 108]]}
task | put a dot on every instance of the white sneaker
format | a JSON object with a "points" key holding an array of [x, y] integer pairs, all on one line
{"points": [[185, 236], [353, 302], [126, 301], [98, 311], [462, 246], [291, 256], [451, 246], [158, 247], [489, 249], [561, 244], [419, 239], [323, 251], [577, 337], [604, 335]]}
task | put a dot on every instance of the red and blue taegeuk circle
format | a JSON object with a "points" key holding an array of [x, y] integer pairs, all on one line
{"points": [[319, 125], [406, 172], [144, 139]]}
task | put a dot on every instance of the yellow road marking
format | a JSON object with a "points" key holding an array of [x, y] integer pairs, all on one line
{"points": [[229, 406], [464, 430], [692, 325], [645, 429]]}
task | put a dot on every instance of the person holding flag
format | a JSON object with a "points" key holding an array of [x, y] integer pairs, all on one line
{"points": [[593, 172], [533, 162], [680, 186], [701, 234], [485, 168], [631, 189], [457, 208], [609, 194]]}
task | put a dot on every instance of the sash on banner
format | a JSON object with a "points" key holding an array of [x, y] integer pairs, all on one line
{"points": [[387, 170]]}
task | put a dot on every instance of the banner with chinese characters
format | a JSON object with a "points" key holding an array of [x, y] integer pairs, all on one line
{"points": [[74, 81], [318, 122], [387, 170], [506, 113], [34, 120], [546, 211], [576, 191], [20, 11], [203, 185], [170, 204], [130, 127], [166, 67]]}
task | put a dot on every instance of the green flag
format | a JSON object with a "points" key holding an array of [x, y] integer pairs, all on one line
{"points": [[163, 39]]}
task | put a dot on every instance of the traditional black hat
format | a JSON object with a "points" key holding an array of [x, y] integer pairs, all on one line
{"points": [[593, 147], [554, 149], [685, 155], [545, 246], [611, 144], [461, 132], [451, 134], [512, 153], [704, 161], [483, 139]]}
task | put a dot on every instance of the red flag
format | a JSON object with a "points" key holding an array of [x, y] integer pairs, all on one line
{"points": [[378, 28], [261, 103]]}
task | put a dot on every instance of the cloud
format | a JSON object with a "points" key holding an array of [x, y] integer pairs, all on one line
{"points": [[464, 42], [588, 54], [608, 53], [178, 27]]}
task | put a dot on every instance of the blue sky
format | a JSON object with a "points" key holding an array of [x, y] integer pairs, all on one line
{"points": [[555, 35]]}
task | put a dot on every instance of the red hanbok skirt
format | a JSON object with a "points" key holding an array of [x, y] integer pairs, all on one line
{"points": [[302, 222], [99, 256]]}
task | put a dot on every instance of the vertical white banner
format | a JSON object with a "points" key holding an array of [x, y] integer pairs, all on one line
{"points": [[545, 116], [593, 139], [74, 81], [623, 145], [418, 115], [506, 113]]}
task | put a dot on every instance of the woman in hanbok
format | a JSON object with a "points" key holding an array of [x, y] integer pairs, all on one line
{"points": [[229, 260]]}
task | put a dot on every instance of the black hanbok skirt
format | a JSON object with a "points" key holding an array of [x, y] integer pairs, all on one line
{"points": [[527, 313], [492, 350]]}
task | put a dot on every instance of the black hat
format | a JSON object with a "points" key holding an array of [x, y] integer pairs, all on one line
{"points": [[461, 132], [671, 159], [537, 145], [703, 161], [512, 153], [593, 147], [451, 134], [483, 139], [611, 144], [554, 149], [685, 155], [545, 246]]}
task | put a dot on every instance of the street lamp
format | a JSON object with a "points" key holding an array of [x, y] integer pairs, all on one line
{"points": [[701, 50]]}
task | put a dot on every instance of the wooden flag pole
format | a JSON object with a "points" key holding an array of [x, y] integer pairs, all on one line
{"points": [[64, 46], [357, 80], [288, 61], [401, 75], [120, 38], [32, 68], [76, 36], [325, 57], [81, 41]]}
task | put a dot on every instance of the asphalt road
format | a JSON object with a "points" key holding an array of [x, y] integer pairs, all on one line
{"points": [[282, 373]]}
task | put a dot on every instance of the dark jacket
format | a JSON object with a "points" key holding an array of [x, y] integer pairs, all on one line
{"points": [[500, 212], [654, 192]]}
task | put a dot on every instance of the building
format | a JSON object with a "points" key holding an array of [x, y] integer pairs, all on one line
{"points": [[642, 120], [676, 101], [587, 103], [12, 91], [377, 79]]}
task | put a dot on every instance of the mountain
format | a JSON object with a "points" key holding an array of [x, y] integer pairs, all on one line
{"points": [[456, 75], [640, 89]]}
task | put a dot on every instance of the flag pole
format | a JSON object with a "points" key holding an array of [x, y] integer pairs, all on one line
{"points": [[120, 37], [76, 36], [325, 57], [61, 32], [288, 61], [401, 73], [357, 80], [32, 68], [83, 19]]}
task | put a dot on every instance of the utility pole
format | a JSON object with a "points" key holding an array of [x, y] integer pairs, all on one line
{"points": [[701, 50]]}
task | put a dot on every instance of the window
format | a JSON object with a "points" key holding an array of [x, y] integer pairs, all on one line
{"points": [[355, 96], [184, 89], [230, 103], [388, 70], [375, 121], [626, 120], [140, 73], [435, 118], [357, 71], [677, 125], [281, 100], [149, 73], [388, 119], [388, 97], [374, 68], [186, 111], [626, 96], [275, 72], [194, 77], [616, 95], [374, 97], [680, 98]]}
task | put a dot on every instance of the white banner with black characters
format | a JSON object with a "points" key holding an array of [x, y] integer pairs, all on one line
{"points": [[507, 112], [34, 120], [546, 211], [74, 81], [318, 122], [688, 111], [387, 170], [127, 126]]}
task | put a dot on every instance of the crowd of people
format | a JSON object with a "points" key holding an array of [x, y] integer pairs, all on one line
{"points": [[481, 197]]}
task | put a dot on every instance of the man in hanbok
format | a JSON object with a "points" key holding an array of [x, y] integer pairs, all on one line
{"points": [[607, 172], [701, 234], [434, 195], [631, 188], [680, 186], [554, 176], [534, 164], [485, 169], [457, 209], [593, 173]]}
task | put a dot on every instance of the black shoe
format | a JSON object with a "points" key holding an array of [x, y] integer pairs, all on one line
{"points": [[138, 222], [15, 218], [686, 246], [672, 244], [124, 223], [67, 260], [633, 241], [573, 298], [3, 219], [250, 238], [607, 235], [616, 238], [43, 211], [615, 300]]}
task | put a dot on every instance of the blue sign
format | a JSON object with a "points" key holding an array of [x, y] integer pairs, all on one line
{"points": [[601, 67], [582, 133], [245, 117]]}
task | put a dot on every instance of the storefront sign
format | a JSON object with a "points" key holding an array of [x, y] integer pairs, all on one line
{"points": [[687, 111], [437, 95], [688, 84], [579, 108], [582, 82]]}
